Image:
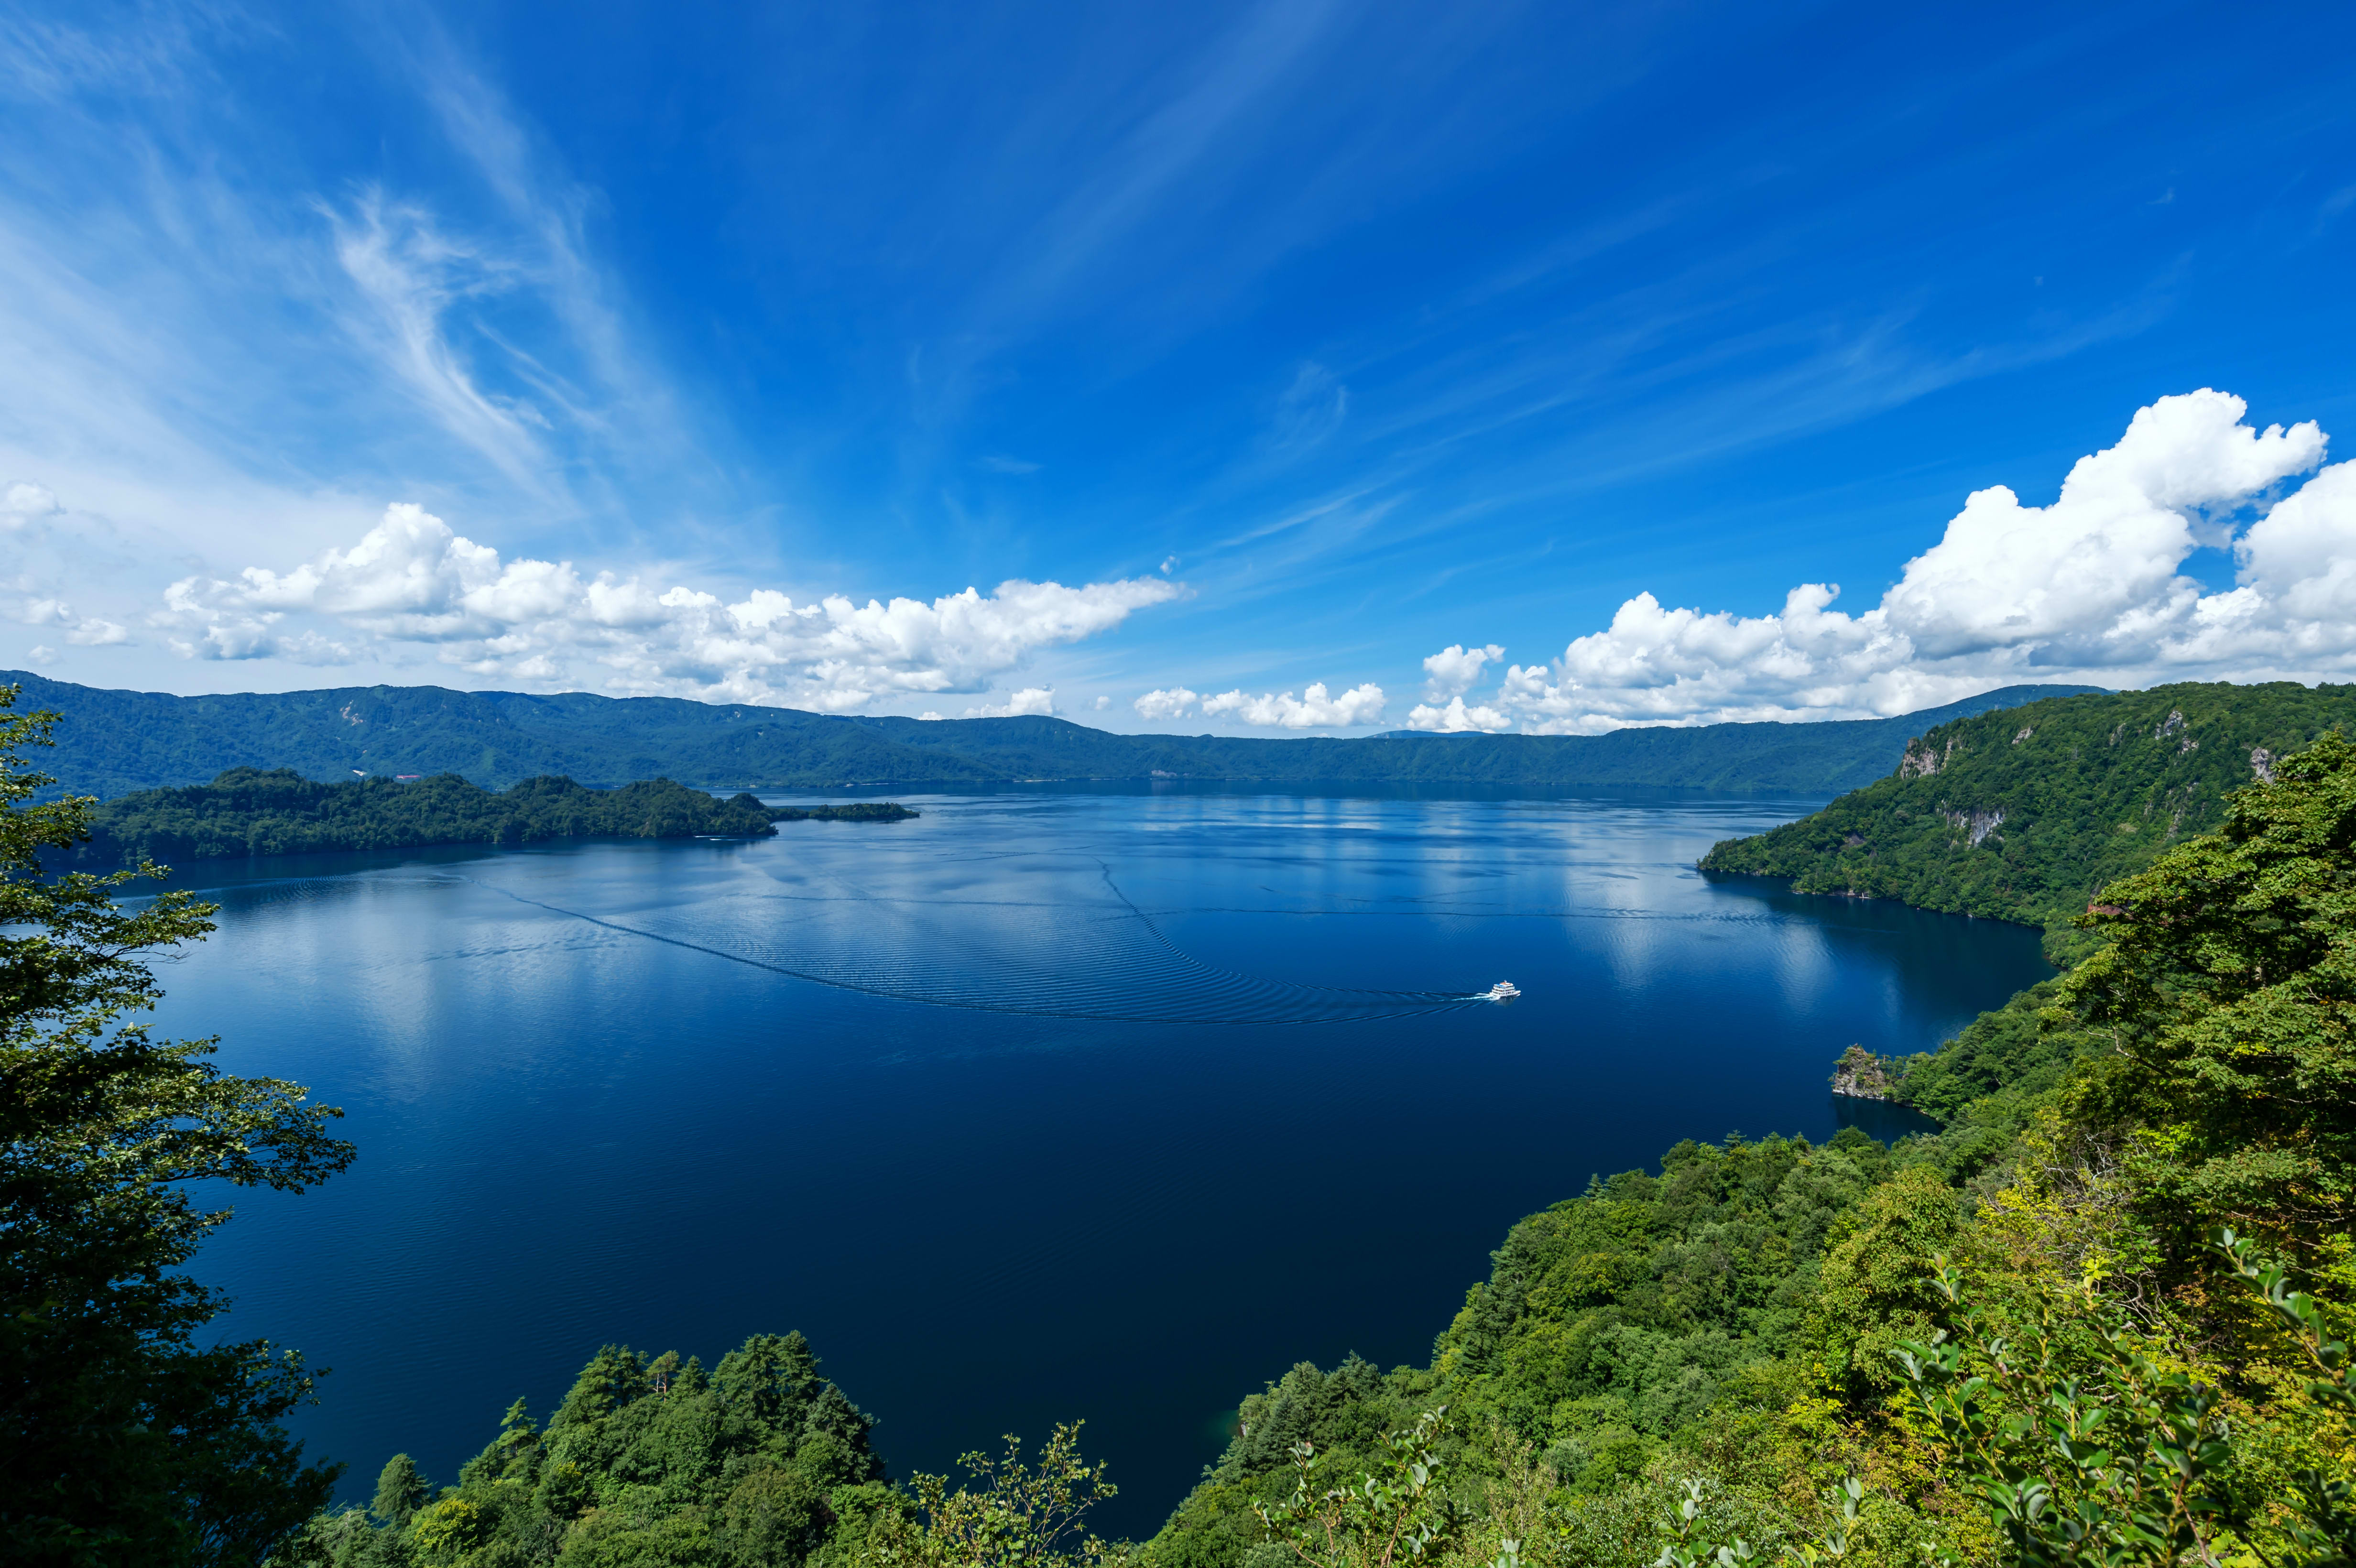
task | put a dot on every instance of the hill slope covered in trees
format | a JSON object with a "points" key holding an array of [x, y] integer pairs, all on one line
{"points": [[2023, 814], [117, 742], [647, 1460]]}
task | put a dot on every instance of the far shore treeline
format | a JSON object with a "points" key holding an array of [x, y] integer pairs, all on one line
{"points": [[246, 811], [115, 742]]}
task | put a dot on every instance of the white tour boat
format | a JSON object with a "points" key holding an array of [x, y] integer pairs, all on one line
{"points": [[1503, 991]]}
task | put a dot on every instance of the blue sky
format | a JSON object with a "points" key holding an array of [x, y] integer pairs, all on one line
{"points": [[1260, 347]]}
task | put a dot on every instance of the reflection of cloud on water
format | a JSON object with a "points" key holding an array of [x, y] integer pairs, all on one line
{"points": [[1102, 959]]}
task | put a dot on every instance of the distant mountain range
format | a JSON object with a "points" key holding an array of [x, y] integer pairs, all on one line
{"points": [[113, 742]]}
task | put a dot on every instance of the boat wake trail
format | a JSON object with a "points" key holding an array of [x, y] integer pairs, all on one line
{"points": [[1105, 962]]}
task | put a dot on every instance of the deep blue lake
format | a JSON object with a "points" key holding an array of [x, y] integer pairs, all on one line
{"points": [[1046, 1104]]}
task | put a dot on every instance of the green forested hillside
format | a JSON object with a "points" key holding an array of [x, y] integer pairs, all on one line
{"points": [[117, 741], [249, 812], [2014, 1342], [2023, 814], [1612, 1328], [1732, 1319], [647, 1460]]}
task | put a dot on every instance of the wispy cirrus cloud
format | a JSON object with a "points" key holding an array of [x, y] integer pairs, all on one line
{"points": [[203, 318], [200, 297], [410, 277]]}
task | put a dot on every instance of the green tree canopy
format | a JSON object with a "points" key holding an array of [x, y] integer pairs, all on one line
{"points": [[2228, 992], [122, 1439], [758, 1463]]}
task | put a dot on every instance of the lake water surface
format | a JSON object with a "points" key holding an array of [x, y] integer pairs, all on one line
{"points": [[1046, 1104]]}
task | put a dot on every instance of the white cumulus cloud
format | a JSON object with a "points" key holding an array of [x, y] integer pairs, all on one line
{"points": [[1165, 704], [23, 502], [84, 630], [1314, 708], [2091, 588], [412, 579], [1454, 670], [1456, 718], [1032, 699]]}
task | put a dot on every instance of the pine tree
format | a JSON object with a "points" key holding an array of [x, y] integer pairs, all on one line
{"points": [[401, 1491]]}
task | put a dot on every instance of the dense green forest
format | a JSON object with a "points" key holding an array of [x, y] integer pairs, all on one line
{"points": [[117, 742], [131, 1432], [248, 812], [758, 1460], [2024, 815], [2072, 1325]]}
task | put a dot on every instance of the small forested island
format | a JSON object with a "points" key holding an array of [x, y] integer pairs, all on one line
{"points": [[250, 811], [853, 811]]}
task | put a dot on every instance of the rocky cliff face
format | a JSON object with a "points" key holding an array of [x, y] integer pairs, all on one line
{"points": [[1978, 824], [1924, 758], [1859, 1075]]}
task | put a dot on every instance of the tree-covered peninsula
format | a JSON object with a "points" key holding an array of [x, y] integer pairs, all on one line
{"points": [[2023, 814], [249, 812]]}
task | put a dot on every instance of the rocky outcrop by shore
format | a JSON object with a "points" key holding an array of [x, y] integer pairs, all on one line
{"points": [[1859, 1075]]}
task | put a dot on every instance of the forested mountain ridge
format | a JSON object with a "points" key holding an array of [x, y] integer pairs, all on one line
{"points": [[246, 811], [2023, 814], [117, 741]]}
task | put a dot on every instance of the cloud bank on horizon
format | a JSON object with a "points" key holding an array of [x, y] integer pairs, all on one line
{"points": [[2089, 588], [540, 624]]}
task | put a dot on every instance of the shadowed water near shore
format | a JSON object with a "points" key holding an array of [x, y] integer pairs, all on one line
{"points": [[1044, 1105]]}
